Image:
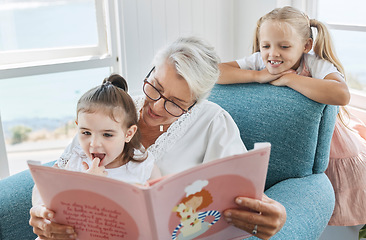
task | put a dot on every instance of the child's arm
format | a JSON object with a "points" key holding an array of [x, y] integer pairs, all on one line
{"points": [[331, 90], [231, 73]]}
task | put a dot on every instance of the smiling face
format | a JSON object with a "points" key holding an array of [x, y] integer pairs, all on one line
{"points": [[166, 80], [101, 136], [281, 47]]}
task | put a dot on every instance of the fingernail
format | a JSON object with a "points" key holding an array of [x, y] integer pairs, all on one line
{"points": [[227, 214], [239, 201], [70, 230], [50, 215], [228, 220]]}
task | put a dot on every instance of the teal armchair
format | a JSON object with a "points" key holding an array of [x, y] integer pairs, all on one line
{"points": [[299, 130]]}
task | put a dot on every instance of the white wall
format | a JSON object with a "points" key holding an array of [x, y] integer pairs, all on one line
{"points": [[148, 25], [246, 14]]}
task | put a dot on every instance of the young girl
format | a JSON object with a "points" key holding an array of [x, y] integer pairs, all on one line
{"points": [[282, 42], [109, 137]]}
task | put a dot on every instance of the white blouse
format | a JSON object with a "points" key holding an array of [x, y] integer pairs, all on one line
{"points": [[207, 132]]}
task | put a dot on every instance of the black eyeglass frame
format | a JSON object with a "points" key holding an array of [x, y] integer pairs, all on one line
{"points": [[163, 97]]}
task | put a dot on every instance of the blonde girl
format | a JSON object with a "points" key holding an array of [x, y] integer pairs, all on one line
{"points": [[285, 53]]}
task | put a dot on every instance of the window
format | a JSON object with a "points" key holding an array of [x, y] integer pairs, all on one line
{"points": [[38, 113], [348, 26], [51, 52], [347, 22]]}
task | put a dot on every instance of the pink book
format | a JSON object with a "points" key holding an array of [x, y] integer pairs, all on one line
{"points": [[186, 205]]}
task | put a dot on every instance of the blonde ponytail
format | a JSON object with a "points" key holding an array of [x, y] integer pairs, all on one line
{"points": [[323, 45]]}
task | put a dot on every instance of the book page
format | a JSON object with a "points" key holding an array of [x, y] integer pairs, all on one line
{"points": [[189, 205], [98, 207]]}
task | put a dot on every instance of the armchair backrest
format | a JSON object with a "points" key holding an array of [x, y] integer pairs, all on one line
{"points": [[299, 129]]}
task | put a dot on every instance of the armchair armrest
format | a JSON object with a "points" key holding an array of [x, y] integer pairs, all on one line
{"points": [[15, 203], [301, 196]]}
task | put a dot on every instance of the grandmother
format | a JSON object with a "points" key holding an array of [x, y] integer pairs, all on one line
{"points": [[182, 129]]}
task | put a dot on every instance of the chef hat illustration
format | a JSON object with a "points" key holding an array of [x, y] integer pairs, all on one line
{"points": [[195, 187]]}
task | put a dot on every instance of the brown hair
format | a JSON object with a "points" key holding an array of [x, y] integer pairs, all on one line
{"points": [[112, 99]]}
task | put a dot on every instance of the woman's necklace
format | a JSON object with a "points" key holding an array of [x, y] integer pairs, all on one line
{"points": [[150, 134]]}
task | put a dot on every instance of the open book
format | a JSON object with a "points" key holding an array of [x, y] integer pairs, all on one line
{"points": [[186, 205]]}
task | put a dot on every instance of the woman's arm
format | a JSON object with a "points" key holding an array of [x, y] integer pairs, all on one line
{"points": [[231, 73], [331, 90]]}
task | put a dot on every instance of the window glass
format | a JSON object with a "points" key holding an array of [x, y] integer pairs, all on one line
{"points": [[348, 43], [33, 24], [38, 113], [350, 12], [351, 56]]}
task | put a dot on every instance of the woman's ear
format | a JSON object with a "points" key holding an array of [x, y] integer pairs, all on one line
{"points": [[308, 45], [130, 133]]}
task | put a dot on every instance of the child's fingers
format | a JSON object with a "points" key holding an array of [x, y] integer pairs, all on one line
{"points": [[95, 163], [40, 211], [85, 166], [96, 169]]}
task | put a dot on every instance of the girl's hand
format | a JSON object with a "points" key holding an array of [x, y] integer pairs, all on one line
{"points": [[95, 168], [40, 220], [268, 215], [282, 80], [264, 76]]}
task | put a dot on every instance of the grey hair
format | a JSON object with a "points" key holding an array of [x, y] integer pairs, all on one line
{"points": [[195, 61]]}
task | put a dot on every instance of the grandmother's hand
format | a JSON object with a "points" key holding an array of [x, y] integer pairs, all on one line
{"points": [[40, 220], [271, 219]]}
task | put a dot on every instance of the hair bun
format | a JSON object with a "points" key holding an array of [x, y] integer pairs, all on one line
{"points": [[117, 81]]}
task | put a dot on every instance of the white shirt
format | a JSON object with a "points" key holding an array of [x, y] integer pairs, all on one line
{"points": [[204, 134]]}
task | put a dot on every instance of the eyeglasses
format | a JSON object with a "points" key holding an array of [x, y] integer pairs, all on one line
{"points": [[154, 94]]}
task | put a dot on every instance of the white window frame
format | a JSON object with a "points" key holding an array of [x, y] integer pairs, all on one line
{"points": [[358, 99], [4, 165], [44, 61], [107, 53]]}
